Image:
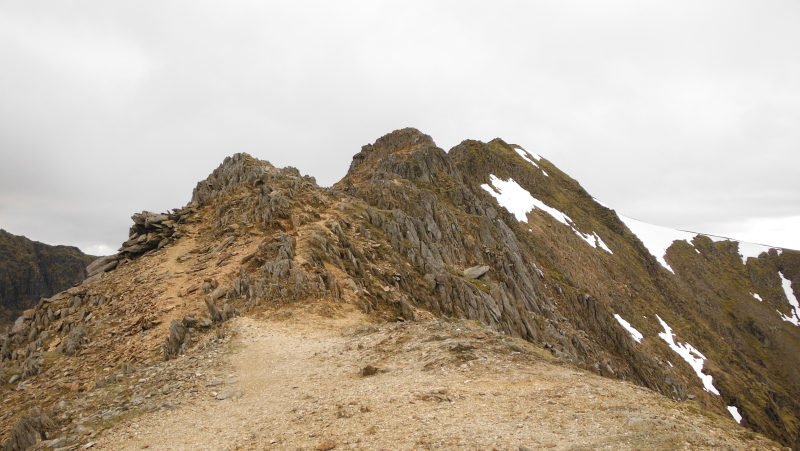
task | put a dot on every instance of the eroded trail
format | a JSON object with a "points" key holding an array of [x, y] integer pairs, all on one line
{"points": [[296, 383]]}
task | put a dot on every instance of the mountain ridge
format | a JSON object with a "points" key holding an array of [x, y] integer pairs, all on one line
{"points": [[405, 229], [30, 270]]}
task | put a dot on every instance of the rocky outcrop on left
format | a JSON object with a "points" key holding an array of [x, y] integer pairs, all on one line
{"points": [[149, 231], [30, 270]]}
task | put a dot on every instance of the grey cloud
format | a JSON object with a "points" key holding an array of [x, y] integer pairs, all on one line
{"points": [[681, 114]]}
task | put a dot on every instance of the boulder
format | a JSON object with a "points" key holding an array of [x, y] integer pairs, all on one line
{"points": [[476, 271], [102, 264]]}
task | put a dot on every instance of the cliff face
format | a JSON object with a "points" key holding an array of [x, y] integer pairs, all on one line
{"points": [[487, 232], [30, 270]]}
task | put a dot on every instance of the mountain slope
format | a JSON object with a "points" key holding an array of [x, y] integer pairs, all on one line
{"points": [[487, 232], [30, 270]]}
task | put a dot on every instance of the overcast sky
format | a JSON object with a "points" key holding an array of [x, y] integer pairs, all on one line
{"points": [[682, 113]]}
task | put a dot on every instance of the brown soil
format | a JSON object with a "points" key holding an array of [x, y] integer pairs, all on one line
{"points": [[437, 385]]}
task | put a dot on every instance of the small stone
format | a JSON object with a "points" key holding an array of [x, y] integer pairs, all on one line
{"points": [[190, 321], [408, 311], [325, 446], [54, 443], [524, 448], [229, 394], [368, 370]]}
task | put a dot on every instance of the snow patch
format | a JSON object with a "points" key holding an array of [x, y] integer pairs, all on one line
{"points": [[747, 250], [755, 295], [637, 336], [658, 239], [735, 414], [655, 238], [530, 156], [794, 317], [691, 355], [525, 156], [519, 202], [602, 244], [594, 240]]}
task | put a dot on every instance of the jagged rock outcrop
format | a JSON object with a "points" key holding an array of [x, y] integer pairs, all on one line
{"points": [[30, 270], [149, 231], [412, 229]]}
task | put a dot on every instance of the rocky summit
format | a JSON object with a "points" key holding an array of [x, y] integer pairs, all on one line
{"points": [[473, 299]]}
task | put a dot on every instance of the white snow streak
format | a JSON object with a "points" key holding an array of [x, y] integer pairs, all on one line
{"points": [[755, 295], [518, 201], [524, 155], [530, 156], [794, 318], [691, 355], [602, 244], [655, 238], [637, 336], [735, 414]]}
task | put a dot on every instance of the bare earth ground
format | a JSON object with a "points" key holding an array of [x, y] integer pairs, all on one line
{"points": [[293, 381]]}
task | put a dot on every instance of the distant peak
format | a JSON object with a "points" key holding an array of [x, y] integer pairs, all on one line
{"points": [[402, 139], [399, 153]]}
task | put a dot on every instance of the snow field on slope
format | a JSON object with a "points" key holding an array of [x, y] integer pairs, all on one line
{"points": [[691, 355], [637, 336], [518, 201], [658, 239], [747, 250], [655, 238], [794, 318]]}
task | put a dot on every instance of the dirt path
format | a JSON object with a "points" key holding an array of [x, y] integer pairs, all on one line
{"points": [[439, 386]]}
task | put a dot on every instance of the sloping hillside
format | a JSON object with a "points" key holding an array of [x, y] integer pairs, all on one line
{"points": [[488, 236]]}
